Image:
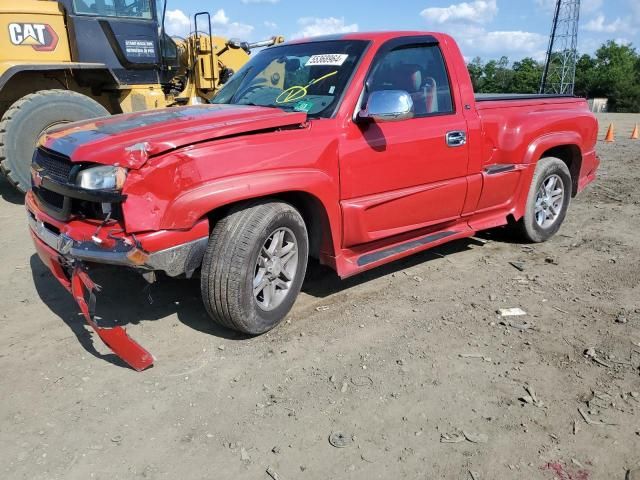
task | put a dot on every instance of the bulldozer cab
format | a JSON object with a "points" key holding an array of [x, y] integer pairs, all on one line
{"points": [[124, 35]]}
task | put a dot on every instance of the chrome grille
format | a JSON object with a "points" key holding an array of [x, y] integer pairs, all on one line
{"points": [[56, 166], [52, 198]]}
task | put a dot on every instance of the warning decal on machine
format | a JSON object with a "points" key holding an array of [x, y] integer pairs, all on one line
{"points": [[139, 48], [327, 59]]}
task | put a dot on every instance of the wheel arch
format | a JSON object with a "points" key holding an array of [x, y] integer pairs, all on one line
{"points": [[562, 145], [315, 218], [572, 157], [311, 209], [314, 193]]}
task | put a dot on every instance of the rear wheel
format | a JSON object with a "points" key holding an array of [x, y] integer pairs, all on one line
{"points": [[254, 266], [548, 201], [28, 118]]}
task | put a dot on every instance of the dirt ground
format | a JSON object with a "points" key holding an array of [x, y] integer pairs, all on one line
{"points": [[408, 366]]}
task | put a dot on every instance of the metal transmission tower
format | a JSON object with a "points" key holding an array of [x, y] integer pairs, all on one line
{"points": [[560, 66]]}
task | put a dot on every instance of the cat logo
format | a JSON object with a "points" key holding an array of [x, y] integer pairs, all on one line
{"points": [[40, 36]]}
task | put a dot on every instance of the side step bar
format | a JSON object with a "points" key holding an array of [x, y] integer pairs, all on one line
{"points": [[373, 257]]}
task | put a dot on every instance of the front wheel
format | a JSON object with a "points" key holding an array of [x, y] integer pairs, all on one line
{"points": [[548, 201], [254, 266]]}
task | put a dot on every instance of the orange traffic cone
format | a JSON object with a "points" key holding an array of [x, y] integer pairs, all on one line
{"points": [[634, 134], [610, 136]]}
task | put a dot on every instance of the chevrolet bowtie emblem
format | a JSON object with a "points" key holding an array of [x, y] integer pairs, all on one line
{"points": [[64, 244]]}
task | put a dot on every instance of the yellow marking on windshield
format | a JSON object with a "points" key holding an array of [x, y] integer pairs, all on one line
{"points": [[297, 92]]}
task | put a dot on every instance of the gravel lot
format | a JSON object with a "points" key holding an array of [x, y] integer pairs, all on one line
{"points": [[410, 363]]}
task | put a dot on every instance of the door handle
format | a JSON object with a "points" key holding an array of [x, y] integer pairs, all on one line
{"points": [[456, 138]]}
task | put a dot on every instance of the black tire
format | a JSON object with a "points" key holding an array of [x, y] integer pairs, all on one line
{"points": [[230, 264], [28, 118], [527, 228]]}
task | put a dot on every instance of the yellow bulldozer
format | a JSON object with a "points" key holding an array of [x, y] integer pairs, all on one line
{"points": [[68, 60]]}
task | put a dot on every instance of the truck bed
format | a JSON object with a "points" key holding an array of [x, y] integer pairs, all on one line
{"points": [[487, 97]]}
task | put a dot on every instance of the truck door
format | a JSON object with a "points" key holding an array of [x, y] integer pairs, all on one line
{"points": [[405, 175], [121, 34]]}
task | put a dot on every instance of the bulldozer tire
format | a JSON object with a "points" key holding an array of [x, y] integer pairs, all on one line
{"points": [[28, 118]]}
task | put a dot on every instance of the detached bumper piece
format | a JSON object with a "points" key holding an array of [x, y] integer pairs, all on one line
{"points": [[74, 278], [69, 249], [115, 338]]}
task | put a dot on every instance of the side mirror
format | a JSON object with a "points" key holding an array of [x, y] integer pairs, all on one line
{"points": [[388, 106]]}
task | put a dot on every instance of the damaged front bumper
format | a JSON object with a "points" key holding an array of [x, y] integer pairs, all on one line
{"points": [[174, 261], [69, 248]]}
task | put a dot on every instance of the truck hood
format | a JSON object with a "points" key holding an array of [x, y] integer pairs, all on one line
{"points": [[129, 140]]}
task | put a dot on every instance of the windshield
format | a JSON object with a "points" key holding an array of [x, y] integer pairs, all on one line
{"points": [[114, 8], [305, 77]]}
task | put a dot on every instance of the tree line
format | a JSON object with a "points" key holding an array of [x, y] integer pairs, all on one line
{"points": [[613, 72]]}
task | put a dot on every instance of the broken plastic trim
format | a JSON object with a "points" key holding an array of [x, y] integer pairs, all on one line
{"points": [[115, 338], [180, 259]]}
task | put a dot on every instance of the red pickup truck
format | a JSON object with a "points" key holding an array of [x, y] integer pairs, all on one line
{"points": [[354, 149]]}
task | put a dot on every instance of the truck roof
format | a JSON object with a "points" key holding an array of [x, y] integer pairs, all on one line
{"points": [[379, 36]]}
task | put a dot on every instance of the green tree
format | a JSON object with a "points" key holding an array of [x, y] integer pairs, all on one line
{"points": [[489, 78], [496, 76], [584, 76], [504, 75], [526, 76], [476, 72], [613, 73], [616, 77]]}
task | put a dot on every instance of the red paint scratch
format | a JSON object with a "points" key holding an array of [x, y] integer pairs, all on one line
{"points": [[561, 472]]}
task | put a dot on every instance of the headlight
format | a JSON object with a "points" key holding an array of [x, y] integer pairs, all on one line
{"points": [[102, 178]]}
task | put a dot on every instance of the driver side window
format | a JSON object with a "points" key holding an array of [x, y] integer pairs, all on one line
{"points": [[420, 71]]}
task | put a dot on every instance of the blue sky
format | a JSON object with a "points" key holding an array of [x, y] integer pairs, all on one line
{"points": [[487, 28]]}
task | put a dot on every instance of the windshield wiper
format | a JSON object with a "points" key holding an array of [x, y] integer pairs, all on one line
{"points": [[252, 104], [281, 107]]}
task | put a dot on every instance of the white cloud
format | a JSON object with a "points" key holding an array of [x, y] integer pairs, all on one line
{"points": [[220, 18], [314, 26], [223, 26], [177, 23], [270, 25], [588, 44], [599, 24], [479, 11], [623, 41], [515, 44], [462, 22]]}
